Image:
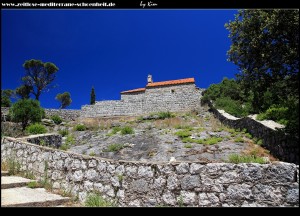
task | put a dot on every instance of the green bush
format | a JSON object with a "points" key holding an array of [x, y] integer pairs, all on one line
{"points": [[26, 111], [235, 158], [57, 120], [127, 130], [230, 106], [164, 115], [275, 113], [80, 127], [36, 129]]}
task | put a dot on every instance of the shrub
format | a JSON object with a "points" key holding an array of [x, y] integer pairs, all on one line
{"points": [[164, 115], [230, 106], [80, 127], [114, 147], [36, 129], [275, 113], [235, 158], [26, 111], [56, 119], [95, 200], [127, 130]]}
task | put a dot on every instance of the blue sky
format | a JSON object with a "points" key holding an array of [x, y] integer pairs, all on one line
{"points": [[115, 50]]}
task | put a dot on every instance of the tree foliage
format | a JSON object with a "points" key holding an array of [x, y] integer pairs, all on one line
{"points": [[265, 47], [25, 111], [39, 76], [93, 96], [64, 99], [24, 91], [6, 94]]}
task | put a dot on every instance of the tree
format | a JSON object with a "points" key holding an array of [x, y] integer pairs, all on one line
{"points": [[265, 47], [24, 91], [25, 111], [64, 99], [39, 76], [5, 97], [93, 96]]}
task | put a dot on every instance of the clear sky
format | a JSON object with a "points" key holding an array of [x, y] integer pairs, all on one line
{"points": [[115, 50]]}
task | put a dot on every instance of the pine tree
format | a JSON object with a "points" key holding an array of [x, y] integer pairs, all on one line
{"points": [[93, 96]]}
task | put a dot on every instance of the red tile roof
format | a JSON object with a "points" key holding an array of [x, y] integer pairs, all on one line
{"points": [[172, 82], [134, 90], [164, 83]]}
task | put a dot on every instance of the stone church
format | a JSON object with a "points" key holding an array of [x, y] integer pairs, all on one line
{"points": [[172, 95]]}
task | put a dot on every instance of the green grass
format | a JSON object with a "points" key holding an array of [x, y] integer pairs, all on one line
{"points": [[188, 145], [114, 147], [208, 141], [33, 184], [127, 130], [69, 141], [95, 200], [14, 167], [235, 158], [213, 140], [239, 139], [249, 136], [183, 133], [186, 127], [259, 142], [80, 127], [63, 132], [92, 153], [114, 131], [164, 115]]}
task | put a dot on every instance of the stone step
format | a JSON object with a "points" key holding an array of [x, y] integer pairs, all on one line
{"points": [[14, 181], [27, 197], [4, 173]]}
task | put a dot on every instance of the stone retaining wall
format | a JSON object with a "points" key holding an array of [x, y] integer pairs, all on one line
{"points": [[285, 148], [66, 114], [159, 184], [54, 140]]}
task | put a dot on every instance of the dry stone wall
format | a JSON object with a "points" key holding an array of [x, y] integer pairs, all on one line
{"points": [[282, 146], [166, 98], [159, 184], [66, 114]]}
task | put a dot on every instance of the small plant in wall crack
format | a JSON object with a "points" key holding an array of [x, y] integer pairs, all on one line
{"points": [[180, 201]]}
